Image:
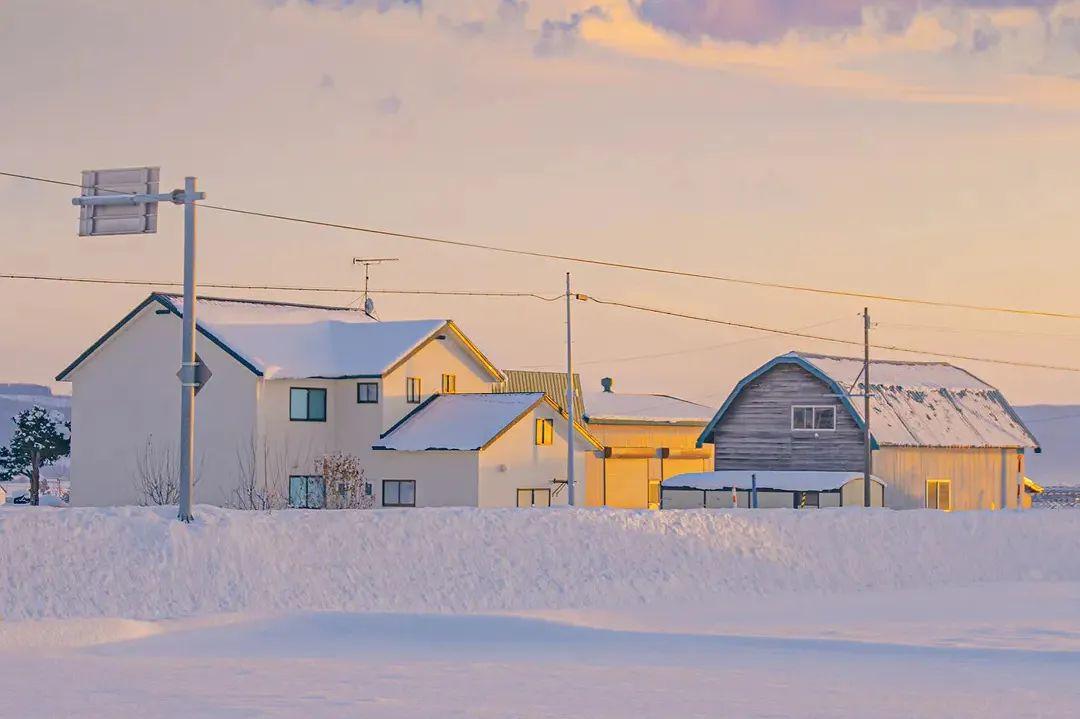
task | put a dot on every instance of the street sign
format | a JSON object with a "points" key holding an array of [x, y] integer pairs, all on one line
{"points": [[124, 206], [202, 374]]}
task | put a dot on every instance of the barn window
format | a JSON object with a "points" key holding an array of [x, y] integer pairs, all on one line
{"points": [[939, 494], [813, 417], [545, 431], [534, 498]]}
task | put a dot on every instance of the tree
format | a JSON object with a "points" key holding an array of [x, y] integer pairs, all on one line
{"points": [[346, 487], [41, 438]]}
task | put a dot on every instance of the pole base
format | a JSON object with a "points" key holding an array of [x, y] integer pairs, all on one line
{"points": [[186, 518]]}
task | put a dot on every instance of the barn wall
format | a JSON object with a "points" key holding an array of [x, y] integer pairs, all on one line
{"points": [[975, 474], [756, 433]]}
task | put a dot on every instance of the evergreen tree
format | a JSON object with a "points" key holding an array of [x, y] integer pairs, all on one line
{"points": [[41, 438]]}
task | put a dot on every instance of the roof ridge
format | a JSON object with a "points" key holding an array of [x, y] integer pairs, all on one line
{"points": [[916, 363], [253, 301]]}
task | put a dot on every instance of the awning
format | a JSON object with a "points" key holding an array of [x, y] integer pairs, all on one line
{"points": [[775, 480], [1032, 486]]}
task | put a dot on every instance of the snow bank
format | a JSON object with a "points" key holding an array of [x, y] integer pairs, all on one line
{"points": [[141, 564]]}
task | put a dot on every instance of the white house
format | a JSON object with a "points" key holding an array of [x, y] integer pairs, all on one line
{"points": [[292, 383]]}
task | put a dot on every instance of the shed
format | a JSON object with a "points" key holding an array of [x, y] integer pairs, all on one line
{"points": [[775, 490]]}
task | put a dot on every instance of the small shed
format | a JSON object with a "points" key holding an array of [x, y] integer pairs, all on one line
{"points": [[774, 489]]}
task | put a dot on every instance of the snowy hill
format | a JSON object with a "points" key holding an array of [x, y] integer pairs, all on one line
{"points": [[1057, 428]]}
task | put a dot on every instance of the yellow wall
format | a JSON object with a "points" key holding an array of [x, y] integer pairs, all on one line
{"points": [[975, 475]]}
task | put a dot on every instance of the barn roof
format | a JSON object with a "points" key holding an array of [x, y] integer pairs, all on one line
{"points": [[466, 422], [279, 340], [912, 404]]}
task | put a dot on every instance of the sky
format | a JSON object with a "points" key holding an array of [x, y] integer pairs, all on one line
{"points": [[918, 148]]}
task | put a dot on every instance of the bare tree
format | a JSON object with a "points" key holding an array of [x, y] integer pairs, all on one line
{"points": [[157, 474], [346, 487], [262, 476]]}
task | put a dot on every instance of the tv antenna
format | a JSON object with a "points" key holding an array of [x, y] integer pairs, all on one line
{"points": [[367, 262]]}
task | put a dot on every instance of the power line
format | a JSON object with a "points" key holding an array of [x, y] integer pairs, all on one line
{"points": [[592, 261], [282, 288], [976, 330], [836, 340]]}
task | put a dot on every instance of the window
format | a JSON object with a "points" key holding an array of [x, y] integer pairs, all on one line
{"points": [[449, 383], [398, 493], [545, 431], [534, 498], [367, 392], [307, 405], [412, 390], [809, 417], [939, 494], [307, 491]]}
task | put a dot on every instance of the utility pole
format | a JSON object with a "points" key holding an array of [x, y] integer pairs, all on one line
{"points": [[570, 497], [866, 408], [188, 363], [125, 202]]}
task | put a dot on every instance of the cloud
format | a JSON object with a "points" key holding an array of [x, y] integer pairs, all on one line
{"points": [[559, 37], [757, 21], [388, 106]]}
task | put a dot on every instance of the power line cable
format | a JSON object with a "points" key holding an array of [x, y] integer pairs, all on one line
{"points": [[282, 288], [593, 261], [836, 340]]}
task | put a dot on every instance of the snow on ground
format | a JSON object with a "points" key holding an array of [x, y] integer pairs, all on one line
{"points": [[567, 613]]}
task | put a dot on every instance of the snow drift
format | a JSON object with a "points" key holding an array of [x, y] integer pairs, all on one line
{"points": [[140, 563]]}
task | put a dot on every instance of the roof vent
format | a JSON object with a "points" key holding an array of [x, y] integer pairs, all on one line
{"points": [[606, 383]]}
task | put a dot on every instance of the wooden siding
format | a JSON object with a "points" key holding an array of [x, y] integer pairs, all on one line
{"points": [[756, 433], [975, 475]]}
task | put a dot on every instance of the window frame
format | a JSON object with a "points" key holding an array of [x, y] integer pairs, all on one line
{"points": [[398, 482], [307, 491], [449, 383], [308, 392], [371, 387], [544, 437], [938, 483], [412, 383], [814, 409], [532, 495]]}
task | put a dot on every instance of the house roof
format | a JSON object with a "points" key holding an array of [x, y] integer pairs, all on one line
{"points": [[466, 422], [777, 480], [618, 408], [279, 340], [553, 384], [912, 404]]}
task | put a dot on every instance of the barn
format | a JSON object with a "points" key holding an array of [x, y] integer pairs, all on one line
{"points": [[941, 438]]}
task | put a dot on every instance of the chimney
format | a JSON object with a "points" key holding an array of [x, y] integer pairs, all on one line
{"points": [[606, 383]]}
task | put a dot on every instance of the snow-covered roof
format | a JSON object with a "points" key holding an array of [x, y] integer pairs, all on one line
{"points": [[466, 422], [615, 407], [778, 480], [292, 341], [927, 404], [912, 404]]}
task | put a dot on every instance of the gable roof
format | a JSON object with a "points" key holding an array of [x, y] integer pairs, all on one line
{"points": [[912, 404], [618, 408], [466, 422], [279, 340], [553, 384]]}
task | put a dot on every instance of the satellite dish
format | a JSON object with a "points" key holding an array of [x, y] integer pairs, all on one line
{"points": [[369, 305]]}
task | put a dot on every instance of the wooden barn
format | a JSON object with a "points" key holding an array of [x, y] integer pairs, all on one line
{"points": [[941, 438]]}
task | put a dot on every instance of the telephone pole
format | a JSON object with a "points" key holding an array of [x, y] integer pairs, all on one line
{"points": [[866, 408], [570, 498]]}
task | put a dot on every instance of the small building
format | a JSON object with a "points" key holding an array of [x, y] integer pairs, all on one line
{"points": [[940, 437], [486, 450], [735, 488], [644, 438]]}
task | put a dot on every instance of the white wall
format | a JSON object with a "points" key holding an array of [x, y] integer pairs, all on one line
{"points": [[127, 392], [515, 462], [443, 478]]}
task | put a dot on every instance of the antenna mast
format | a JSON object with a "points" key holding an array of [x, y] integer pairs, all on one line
{"points": [[367, 262]]}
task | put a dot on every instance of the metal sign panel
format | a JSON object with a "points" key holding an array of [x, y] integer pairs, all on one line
{"points": [[202, 374], [119, 219]]}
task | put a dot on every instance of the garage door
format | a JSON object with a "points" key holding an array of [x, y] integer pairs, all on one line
{"points": [[626, 482]]}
